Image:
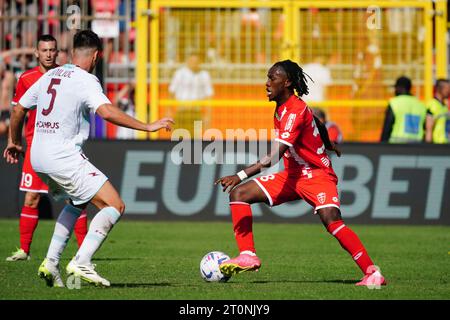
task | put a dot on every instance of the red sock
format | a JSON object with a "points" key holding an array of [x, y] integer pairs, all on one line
{"points": [[241, 215], [350, 242], [29, 219], [80, 227]]}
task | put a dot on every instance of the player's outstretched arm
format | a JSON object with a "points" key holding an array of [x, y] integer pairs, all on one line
{"points": [[14, 148], [116, 116], [229, 182]]}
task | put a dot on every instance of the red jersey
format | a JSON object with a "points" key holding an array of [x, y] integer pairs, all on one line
{"points": [[26, 80], [296, 128]]}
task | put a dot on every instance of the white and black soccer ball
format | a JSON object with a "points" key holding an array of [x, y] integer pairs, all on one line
{"points": [[209, 267]]}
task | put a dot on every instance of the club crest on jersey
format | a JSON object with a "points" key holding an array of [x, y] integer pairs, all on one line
{"points": [[290, 122], [285, 135], [322, 197]]}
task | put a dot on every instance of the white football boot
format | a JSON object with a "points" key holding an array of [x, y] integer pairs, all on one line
{"points": [[50, 273], [18, 256], [86, 273]]}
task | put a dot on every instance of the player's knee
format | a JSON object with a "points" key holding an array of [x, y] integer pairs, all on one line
{"points": [[32, 199], [238, 194], [120, 206], [329, 215]]}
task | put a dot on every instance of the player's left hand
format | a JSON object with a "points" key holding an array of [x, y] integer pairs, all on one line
{"points": [[336, 149], [228, 182], [12, 153], [160, 124]]}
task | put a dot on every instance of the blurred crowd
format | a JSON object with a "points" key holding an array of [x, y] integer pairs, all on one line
{"points": [[25, 20]]}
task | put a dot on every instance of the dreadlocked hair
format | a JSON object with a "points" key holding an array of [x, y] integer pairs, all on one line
{"points": [[300, 86], [295, 74], [329, 145]]}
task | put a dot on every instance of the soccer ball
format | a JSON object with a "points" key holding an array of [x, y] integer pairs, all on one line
{"points": [[209, 267]]}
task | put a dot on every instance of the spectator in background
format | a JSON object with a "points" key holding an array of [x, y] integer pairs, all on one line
{"points": [[190, 83], [125, 101], [367, 83], [334, 132], [405, 116], [23, 63], [4, 123], [322, 79], [252, 34], [438, 115], [7, 82]]}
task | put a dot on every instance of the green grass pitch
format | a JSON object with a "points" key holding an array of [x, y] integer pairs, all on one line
{"points": [[160, 260]]}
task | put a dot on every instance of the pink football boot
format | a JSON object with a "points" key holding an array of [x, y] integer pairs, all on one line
{"points": [[374, 280], [243, 262]]}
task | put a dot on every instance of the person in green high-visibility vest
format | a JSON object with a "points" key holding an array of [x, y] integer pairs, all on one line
{"points": [[438, 115], [405, 116]]}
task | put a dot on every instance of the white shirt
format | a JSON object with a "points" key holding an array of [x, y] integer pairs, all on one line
{"points": [[189, 85], [321, 76], [64, 97], [126, 133]]}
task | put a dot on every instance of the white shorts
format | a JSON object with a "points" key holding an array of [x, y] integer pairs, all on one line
{"points": [[78, 183]]}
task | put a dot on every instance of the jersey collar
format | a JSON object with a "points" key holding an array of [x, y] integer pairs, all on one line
{"points": [[280, 114]]}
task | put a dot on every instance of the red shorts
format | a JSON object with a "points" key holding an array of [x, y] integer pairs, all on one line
{"points": [[318, 188], [30, 180]]}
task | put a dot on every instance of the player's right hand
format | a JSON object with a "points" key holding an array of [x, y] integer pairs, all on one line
{"points": [[12, 153], [165, 123], [228, 182]]}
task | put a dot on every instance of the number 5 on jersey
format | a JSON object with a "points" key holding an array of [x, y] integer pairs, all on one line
{"points": [[52, 91]]}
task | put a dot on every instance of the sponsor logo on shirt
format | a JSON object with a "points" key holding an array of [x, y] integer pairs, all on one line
{"points": [[290, 122], [285, 135], [47, 127]]}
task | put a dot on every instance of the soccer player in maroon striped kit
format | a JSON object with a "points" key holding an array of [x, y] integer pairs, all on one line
{"points": [[46, 54]]}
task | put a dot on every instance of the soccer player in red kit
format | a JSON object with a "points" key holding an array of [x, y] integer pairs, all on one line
{"points": [[46, 53], [302, 141]]}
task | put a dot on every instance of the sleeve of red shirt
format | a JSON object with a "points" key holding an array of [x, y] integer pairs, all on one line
{"points": [[290, 129], [20, 91]]}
